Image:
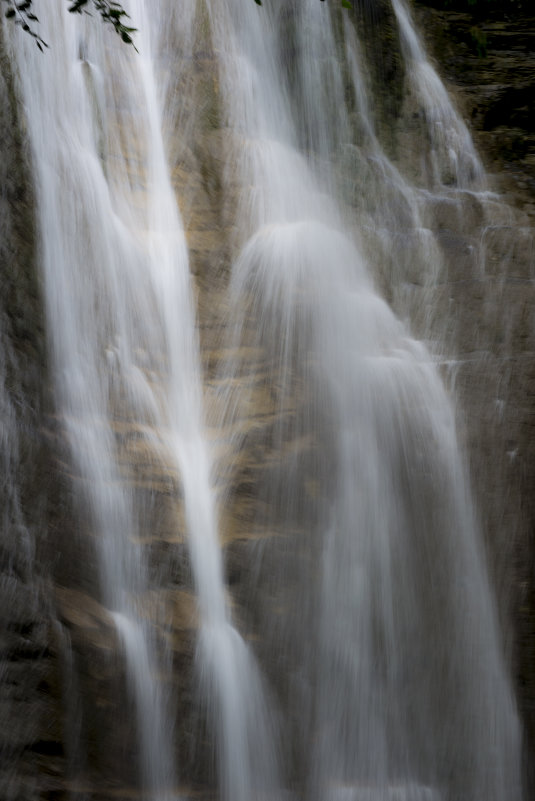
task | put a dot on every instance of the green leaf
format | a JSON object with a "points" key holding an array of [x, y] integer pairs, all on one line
{"points": [[77, 6], [346, 4], [109, 10]]}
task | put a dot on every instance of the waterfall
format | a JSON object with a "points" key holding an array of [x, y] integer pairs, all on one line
{"points": [[453, 157], [364, 459], [345, 639], [117, 294]]}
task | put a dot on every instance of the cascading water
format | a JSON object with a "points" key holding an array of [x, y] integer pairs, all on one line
{"points": [[119, 300], [391, 551], [374, 667], [453, 157], [98, 274]]}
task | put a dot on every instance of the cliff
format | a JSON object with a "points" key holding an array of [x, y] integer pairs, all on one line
{"points": [[486, 55], [66, 716]]}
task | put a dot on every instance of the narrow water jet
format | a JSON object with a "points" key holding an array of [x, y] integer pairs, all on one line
{"points": [[454, 160]]}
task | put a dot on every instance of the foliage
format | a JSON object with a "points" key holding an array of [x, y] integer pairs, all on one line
{"points": [[479, 39], [111, 12]]}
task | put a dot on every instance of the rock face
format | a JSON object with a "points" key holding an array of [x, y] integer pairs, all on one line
{"points": [[486, 54], [62, 678], [30, 730]]}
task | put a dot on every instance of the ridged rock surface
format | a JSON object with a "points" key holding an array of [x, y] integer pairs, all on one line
{"points": [[488, 62]]}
